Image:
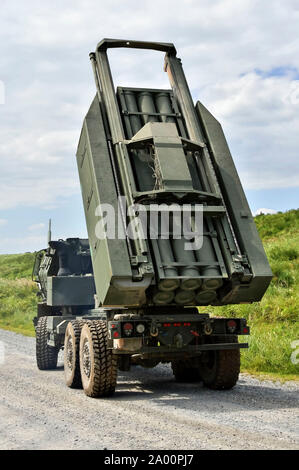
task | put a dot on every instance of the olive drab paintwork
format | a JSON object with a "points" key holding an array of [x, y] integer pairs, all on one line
{"points": [[169, 229], [64, 274], [156, 146]]}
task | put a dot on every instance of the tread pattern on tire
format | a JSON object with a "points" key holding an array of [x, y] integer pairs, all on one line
{"points": [[77, 327], [104, 378], [46, 356], [227, 367]]}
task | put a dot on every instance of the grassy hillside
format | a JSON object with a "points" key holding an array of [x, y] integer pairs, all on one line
{"points": [[274, 321], [281, 302], [17, 293]]}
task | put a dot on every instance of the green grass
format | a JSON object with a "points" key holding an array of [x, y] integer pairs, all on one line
{"points": [[17, 293], [16, 266], [17, 305], [278, 225], [270, 349], [281, 301], [274, 321]]}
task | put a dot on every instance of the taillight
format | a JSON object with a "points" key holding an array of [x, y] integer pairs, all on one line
{"points": [[231, 326], [128, 329]]}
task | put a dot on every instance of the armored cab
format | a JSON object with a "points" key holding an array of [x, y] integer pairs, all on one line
{"points": [[64, 275]]}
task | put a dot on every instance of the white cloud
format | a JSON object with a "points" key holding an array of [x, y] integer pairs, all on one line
{"points": [[2, 92], [22, 244], [3, 222], [261, 126], [228, 50], [35, 191], [36, 227], [264, 211]]}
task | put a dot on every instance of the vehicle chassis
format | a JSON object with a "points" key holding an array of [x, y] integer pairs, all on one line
{"points": [[167, 335]]}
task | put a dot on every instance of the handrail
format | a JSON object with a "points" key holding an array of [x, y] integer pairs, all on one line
{"points": [[156, 46]]}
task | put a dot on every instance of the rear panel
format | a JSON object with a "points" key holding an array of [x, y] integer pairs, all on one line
{"points": [[110, 257]]}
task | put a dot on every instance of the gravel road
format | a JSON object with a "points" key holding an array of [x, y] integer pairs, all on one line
{"points": [[148, 411]]}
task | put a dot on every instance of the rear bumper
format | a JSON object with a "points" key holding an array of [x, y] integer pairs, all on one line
{"points": [[188, 351]]}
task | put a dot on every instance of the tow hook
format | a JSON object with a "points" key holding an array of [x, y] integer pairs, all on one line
{"points": [[208, 328], [154, 330]]}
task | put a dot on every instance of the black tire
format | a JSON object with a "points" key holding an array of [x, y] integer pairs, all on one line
{"points": [[72, 373], [186, 371], [220, 369], [97, 363], [46, 356]]}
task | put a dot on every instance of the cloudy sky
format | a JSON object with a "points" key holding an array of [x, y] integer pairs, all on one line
{"points": [[241, 60]]}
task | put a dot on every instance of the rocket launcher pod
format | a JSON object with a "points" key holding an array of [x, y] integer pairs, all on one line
{"points": [[144, 157]]}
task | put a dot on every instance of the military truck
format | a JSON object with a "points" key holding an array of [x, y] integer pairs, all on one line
{"points": [[169, 230]]}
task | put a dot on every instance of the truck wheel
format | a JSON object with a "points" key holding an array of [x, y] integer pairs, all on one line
{"points": [[185, 371], [220, 369], [46, 356], [71, 354], [97, 363]]}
